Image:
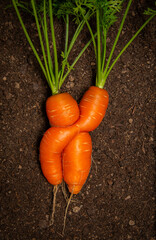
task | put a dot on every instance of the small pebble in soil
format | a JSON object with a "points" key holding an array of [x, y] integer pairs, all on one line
{"points": [[71, 78], [110, 182], [12, 58], [17, 86], [131, 223], [71, 84], [93, 64], [128, 197], [19, 167]]}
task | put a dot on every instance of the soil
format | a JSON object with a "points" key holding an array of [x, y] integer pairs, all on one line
{"points": [[118, 200]]}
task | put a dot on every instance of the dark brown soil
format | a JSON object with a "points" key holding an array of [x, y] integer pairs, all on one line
{"points": [[118, 200]]}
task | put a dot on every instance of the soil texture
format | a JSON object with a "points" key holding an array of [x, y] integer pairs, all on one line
{"points": [[118, 200]]}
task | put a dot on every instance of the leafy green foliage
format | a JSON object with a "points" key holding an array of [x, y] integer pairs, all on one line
{"points": [[75, 8], [108, 11], [43, 12], [150, 11]]}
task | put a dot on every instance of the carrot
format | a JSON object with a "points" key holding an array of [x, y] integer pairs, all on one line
{"points": [[52, 144], [76, 159], [62, 110], [92, 108]]}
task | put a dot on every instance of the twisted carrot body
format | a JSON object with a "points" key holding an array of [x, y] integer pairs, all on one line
{"points": [[77, 161], [93, 107], [74, 141], [52, 144]]}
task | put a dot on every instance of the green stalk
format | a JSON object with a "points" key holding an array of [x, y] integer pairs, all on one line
{"points": [[67, 34], [29, 40], [130, 41], [74, 38], [91, 32], [104, 48], [50, 64], [75, 61], [54, 42], [98, 78], [66, 48], [115, 42], [42, 46]]}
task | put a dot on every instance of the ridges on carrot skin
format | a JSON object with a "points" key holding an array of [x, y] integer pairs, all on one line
{"points": [[76, 159], [93, 106], [52, 144], [62, 110]]}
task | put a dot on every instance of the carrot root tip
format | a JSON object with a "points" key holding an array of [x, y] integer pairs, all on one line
{"points": [[65, 215], [55, 189]]}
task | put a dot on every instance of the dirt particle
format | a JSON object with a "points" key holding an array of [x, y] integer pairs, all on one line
{"points": [[17, 86], [12, 58], [4, 78], [128, 197], [93, 64], [130, 120], [110, 182], [76, 209], [71, 78], [8, 95], [19, 167], [151, 139], [131, 223], [71, 84]]}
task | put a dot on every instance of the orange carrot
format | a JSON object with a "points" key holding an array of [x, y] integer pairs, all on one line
{"points": [[62, 110], [52, 144], [76, 159], [92, 108]]}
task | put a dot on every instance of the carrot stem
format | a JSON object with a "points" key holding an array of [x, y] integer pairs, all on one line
{"points": [[127, 45], [29, 40], [54, 42], [104, 48], [42, 45], [98, 48], [115, 43]]}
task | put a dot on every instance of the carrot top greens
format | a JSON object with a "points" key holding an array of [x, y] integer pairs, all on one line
{"points": [[105, 13], [54, 72]]}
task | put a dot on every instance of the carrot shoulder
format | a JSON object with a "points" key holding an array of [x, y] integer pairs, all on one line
{"points": [[93, 106], [62, 110], [76, 160]]}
